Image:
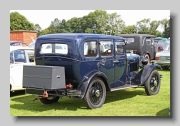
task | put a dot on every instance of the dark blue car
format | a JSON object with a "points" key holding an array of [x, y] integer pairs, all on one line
{"points": [[86, 66]]}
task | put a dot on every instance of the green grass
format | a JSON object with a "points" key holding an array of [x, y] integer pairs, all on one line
{"points": [[131, 102]]}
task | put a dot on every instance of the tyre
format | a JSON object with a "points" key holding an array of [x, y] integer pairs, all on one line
{"points": [[147, 57], [96, 94], [165, 67], [49, 100], [152, 85]]}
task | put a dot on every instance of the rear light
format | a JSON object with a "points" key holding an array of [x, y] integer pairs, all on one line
{"points": [[157, 58]]}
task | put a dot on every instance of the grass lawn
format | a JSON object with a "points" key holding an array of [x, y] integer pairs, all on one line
{"points": [[131, 102]]}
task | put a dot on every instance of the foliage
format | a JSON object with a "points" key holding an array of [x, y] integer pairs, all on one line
{"points": [[98, 21], [19, 22]]}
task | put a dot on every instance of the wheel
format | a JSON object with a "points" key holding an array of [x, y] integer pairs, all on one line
{"points": [[165, 67], [147, 56], [152, 85], [96, 94], [49, 100]]}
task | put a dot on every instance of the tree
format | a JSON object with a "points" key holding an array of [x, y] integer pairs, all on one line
{"points": [[129, 29], [143, 26], [166, 25], [115, 24], [38, 29], [19, 22]]}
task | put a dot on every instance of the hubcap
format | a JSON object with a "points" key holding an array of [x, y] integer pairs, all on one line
{"points": [[97, 93], [154, 83]]}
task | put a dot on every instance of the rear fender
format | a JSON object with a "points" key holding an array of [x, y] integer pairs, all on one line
{"points": [[87, 79], [142, 76]]}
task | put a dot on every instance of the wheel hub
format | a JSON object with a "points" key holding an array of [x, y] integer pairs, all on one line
{"points": [[97, 93], [153, 82]]}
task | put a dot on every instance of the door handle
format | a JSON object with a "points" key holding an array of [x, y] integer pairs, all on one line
{"points": [[102, 62], [116, 61]]}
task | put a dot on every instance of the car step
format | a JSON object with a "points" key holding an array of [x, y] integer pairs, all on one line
{"points": [[124, 87]]}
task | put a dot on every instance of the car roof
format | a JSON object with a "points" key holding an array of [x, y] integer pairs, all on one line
{"points": [[12, 48], [136, 35], [77, 35]]}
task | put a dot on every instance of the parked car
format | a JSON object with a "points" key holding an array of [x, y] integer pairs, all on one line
{"points": [[163, 58], [85, 71], [18, 57], [142, 44], [18, 43]]}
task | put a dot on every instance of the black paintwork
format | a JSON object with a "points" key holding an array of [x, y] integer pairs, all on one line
{"points": [[140, 45]]}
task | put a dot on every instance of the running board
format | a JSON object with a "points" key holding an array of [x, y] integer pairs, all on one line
{"points": [[124, 87]]}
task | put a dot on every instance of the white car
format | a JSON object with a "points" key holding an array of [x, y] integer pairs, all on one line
{"points": [[18, 57], [163, 58]]}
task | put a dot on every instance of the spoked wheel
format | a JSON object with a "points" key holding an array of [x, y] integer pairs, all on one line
{"points": [[152, 85], [49, 100], [96, 94], [147, 57]]}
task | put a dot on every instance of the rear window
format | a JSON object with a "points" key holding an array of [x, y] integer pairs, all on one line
{"points": [[54, 48]]}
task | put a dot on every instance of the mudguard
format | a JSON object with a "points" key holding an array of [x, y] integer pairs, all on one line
{"points": [[142, 76], [86, 81]]}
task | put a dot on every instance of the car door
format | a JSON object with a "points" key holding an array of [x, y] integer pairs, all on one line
{"points": [[149, 43], [106, 64], [119, 64]]}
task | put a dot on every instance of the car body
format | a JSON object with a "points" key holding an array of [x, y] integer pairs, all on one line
{"points": [[85, 70], [18, 57], [18, 43], [142, 44], [163, 58]]}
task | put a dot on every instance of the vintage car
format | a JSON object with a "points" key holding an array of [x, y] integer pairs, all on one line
{"points": [[18, 57], [18, 43], [86, 70], [142, 44], [163, 58]]}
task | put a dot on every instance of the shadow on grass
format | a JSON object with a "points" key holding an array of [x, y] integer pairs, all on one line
{"points": [[164, 112], [17, 93], [26, 101]]}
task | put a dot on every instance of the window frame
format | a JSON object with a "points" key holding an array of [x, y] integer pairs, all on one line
{"points": [[53, 49], [88, 41]]}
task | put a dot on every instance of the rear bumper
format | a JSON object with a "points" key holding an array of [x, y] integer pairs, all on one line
{"points": [[34, 91]]}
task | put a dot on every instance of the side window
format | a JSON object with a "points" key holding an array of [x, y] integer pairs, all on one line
{"points": [[129, 40], [119, 47], [90, 49], [148, 41], [106, 48]]}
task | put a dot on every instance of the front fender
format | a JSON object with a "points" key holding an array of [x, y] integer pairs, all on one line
{"points": [[144, 73], [87, 79]]}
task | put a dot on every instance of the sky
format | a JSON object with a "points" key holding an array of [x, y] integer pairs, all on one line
{"points": [[130, 17]]}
